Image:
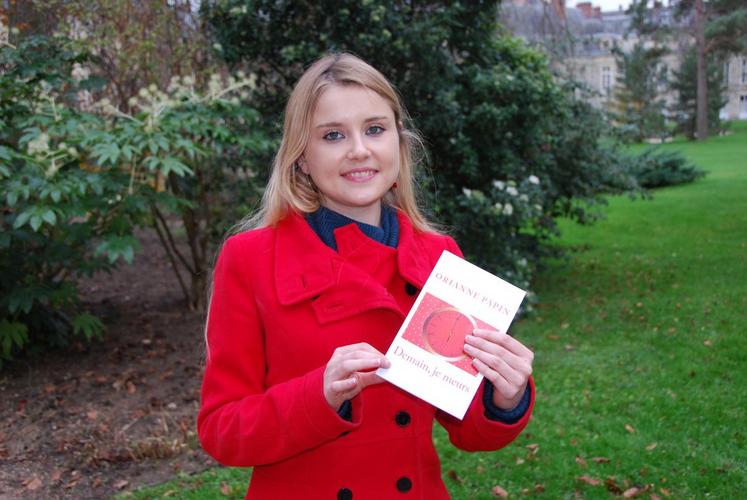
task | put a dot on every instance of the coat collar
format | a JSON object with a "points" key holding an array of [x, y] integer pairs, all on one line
{"points": [[305, 267]]}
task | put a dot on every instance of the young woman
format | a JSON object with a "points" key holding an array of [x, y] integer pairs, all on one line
{"points": [[311, 292]]}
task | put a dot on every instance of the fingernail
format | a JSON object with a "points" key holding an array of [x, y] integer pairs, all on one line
{"points": [[470, 338], [384, 363]]}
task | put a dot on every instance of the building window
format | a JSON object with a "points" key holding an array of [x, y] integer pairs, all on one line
{"points": [[726, 73], [744, 70], [606, 78]]}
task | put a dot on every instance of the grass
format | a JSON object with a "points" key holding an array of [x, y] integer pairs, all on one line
{"points": [[640, 344]]}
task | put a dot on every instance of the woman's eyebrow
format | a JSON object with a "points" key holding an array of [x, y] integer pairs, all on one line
{"points": [[339, 124]]}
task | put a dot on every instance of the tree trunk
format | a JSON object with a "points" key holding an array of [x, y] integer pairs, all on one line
{"points": [[701, 99]]}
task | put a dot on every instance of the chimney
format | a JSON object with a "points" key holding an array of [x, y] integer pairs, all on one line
{"points": [[585, 8]]}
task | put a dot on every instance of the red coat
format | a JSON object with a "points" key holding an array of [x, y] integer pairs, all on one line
{"points": [[282, 302]]}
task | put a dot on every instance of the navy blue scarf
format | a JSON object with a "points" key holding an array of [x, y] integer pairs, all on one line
{"points": [[324, 222]]}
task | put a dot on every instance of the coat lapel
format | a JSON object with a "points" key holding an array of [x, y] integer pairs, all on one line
{"points": [[307, 269]]}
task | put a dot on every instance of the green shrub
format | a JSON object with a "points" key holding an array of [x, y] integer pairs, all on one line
{"points": [[60, 218], [76, 184], [658, 168]]}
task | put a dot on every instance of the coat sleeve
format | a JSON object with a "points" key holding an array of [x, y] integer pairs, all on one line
{"points": [[242, 421], [478, 432]]}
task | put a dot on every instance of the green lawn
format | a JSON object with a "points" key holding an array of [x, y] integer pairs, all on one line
{"points": [[640, 342]]}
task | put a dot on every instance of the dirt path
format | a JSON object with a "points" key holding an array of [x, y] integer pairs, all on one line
{"points": [[101, 418]]}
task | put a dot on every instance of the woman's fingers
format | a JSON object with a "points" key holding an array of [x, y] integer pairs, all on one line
{"points": [[504, 361], [350, 370], [505, 340]]}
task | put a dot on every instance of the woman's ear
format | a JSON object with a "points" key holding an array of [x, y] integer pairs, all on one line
{"points": [[301, 162]]}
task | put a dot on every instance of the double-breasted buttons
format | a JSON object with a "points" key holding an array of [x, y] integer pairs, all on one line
{"points": [[404, 484], [344, 494], [411, 289], [402, 418]]}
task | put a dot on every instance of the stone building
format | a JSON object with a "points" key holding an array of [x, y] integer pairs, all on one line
{"points": [[579, 41]]}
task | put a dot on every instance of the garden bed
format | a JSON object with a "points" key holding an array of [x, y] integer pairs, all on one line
{"points": [[96, 419]]}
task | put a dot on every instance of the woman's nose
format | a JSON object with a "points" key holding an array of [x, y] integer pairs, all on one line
{"points": [[358, 149]]}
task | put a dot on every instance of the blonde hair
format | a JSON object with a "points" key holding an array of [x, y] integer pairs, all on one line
{"points": [[289, 189]]}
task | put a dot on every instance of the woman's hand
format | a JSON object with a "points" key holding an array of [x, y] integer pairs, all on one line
{"points": [[350, 370], [504, 361]]}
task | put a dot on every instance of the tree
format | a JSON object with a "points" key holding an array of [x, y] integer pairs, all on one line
{"points": [[510, 149], [637, 104], [719, 28], [684, 83]]}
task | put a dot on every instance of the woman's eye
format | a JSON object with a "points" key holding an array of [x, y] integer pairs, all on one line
{"points": [[375, 130], [333, 136]]}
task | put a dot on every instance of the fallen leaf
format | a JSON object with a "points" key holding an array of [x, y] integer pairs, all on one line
{"points": [[665, 492], [225, 488], [92, 415], [454, 476], [589, 480], [569, 347], [519, 461], [539, 488], [131, 387], [612, 485], [633, 492], [629, 428], [707, 343], [33, 483], [654, 496], [50, 388], [600, 460], [580, 461], [121, 484], [651, 446], [96, 482], [499, 492], [55, 475], [534, 447]]}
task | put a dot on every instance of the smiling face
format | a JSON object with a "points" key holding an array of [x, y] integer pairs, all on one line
{"points": [[352, 154]]}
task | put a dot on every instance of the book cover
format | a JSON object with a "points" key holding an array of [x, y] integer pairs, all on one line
{"points": [[427, 355]]}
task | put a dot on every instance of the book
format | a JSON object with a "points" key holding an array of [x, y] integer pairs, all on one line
{"points": [[427, 356]]}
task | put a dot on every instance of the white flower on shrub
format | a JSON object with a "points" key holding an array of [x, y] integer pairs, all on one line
{"points": [[40, 145], [524, 198], [508, 209], [512, 191], [80, 73], [499, 185], [467, 192], [498, 208], [533, 179]]}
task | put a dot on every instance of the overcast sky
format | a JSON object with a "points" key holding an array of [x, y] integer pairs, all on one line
{"points": [[606, 5]]}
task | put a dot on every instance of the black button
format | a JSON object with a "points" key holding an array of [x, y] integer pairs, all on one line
{"points": [[404, 484], [344, 494], [402, 418], [411, 289]]}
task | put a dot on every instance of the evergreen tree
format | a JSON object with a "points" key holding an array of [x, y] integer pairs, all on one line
{"points": [[684, 83], [637, 105], [719, 28]]}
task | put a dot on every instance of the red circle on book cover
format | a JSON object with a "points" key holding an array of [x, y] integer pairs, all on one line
{"points": [[444, 331]]}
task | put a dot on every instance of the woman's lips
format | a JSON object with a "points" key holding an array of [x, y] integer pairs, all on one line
{"points": [[359, 175]]}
